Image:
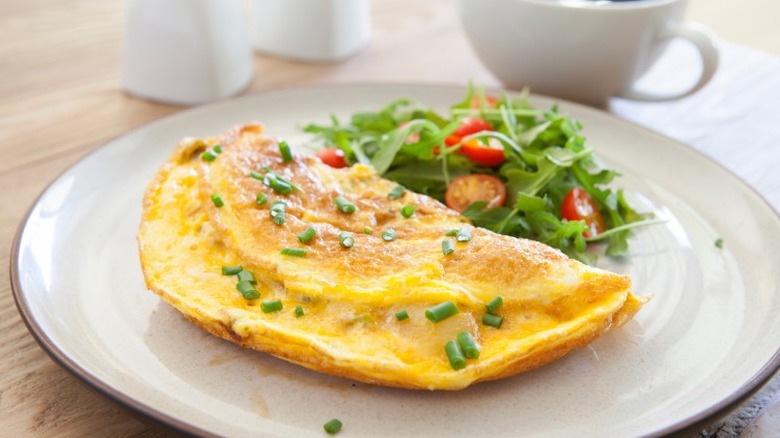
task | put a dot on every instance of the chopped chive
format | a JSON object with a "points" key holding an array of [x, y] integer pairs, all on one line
{"points": [[284, 148], [452, 232], [247, 290], [492, 320], [295, 252], [447, 247], [469, 346], [494, 304], [212, 154], [455, 355], [366, 230], [243, 286], [255, 175], [402, 315], [277, 211], [389, 235], [442, 311], [217, 200], [332, 427], [247, 275], [232, 270], [306, 235], [397, 192], [279, 184], [298, 311], [346, 239], [261, 199], [343, 205], [464, 235], [271, 306], [719, 243], [407, 211]]}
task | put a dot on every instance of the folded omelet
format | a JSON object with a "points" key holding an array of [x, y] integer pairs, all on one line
{"points": [[343, 273]]}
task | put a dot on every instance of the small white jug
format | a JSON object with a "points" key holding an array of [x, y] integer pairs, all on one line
{"points": [[186, 52], [311, 30]]}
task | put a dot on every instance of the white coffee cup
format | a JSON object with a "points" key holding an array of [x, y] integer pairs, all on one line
{"points": [[582, 50]]}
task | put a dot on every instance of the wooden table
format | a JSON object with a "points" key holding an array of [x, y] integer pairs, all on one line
{"points": [[61, 97]]}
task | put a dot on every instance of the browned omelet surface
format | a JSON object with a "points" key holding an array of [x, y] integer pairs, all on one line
{"points": [[552, 304]]}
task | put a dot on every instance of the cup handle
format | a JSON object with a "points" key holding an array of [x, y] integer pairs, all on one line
{"points": [[704, 42]]}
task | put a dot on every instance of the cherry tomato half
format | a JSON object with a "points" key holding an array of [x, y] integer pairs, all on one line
{"points": [[490, 100], [578, 205], [333, 157], [472, 125], [491, 154], [466, 189], [469, 125], [452, 140]]}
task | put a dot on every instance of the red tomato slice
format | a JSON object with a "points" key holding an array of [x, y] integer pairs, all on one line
{"points": [[452, 140], [466, 189], [578, 205], [472, 125], [490, 100], [333, 157], [490, 154]]}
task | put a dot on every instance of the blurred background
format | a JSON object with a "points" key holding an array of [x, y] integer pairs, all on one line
{"points": [[748, 22]]}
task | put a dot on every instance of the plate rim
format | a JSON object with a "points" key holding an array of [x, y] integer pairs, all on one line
{"points": [[164, 420]]}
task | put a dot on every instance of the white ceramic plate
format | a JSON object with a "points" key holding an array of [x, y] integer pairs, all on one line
{"points": [[708, 338]]}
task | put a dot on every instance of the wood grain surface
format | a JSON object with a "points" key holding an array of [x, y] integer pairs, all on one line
{"points": [[61, 97]]}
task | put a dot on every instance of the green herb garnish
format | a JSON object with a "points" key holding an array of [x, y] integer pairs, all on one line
{"points": [[442, 311], [494, 304], [277, 212], [271, 306], [246, 275], [447, 247], [389, 235], [306, 235], [396, 192], [344, 205], [346, 239], [247, 290], [284, 149], [492, 320], [463, 235], [468, 345], [295, 252], [332, 427], [232, 270], [455, 355]]}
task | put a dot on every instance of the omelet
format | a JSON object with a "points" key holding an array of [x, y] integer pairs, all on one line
{"points": [[345, 273]]}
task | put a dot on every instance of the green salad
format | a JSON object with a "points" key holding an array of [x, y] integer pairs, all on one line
{"points": [[505, 165]]}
